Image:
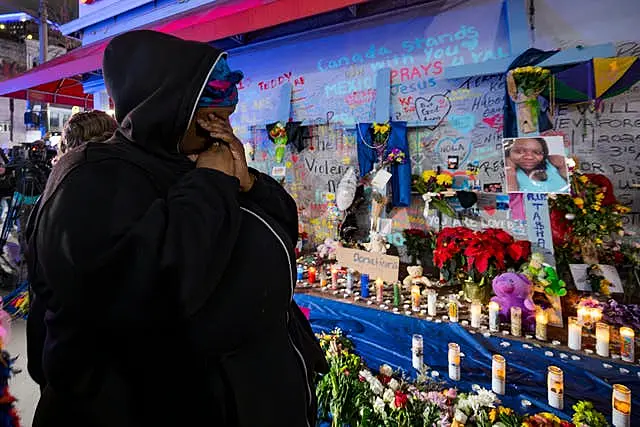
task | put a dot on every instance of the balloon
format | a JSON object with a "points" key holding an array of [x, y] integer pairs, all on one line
{"points": [[346, 190]]}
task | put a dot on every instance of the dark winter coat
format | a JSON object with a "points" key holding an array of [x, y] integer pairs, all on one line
{"points": [[165, 294]]}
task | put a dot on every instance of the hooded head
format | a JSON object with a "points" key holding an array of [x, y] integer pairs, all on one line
{"points": [[156, 81]]}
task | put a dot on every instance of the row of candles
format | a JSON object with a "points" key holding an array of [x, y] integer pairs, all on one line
{"points": [[585, 315], [620, 400]]}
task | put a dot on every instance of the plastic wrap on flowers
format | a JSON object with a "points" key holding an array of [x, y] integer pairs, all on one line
{"points": [[346, 190]]}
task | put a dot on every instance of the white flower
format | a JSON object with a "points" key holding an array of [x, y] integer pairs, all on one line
{"points": [[379, 406], [460, 416], [393, 384], [571, 163], [386, 370], [366, 374], [389, 396], [376, 386]]}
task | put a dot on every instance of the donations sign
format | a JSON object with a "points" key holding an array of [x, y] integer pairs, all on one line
{"points": [[375, 265]]}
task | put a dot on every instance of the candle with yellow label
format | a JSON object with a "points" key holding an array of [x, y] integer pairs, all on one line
{"points": [[453, 309], [454, 361], [516, 321], [415, 298], [379, 290], [311, 278], [555, 387], [432, 298], [621, 406], [575, 334], [627, 344], [498, 374], [541, 325], [494, 316], [323, 279], [476, 314], [602, 339]]}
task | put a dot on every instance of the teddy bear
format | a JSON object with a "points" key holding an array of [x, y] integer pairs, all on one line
{"points": [[377, 243], [514, 290], [415, 277]]}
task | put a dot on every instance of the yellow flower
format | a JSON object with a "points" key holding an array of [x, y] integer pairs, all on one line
{"points": [[602, 227], [493, 414], [584, 211], [598, 241], [578, 202], [619, 224], [583, 179], [604, 286], [444, 179], [623, 209], [427, 175], [599, 197], [505, 411], [596, 207]]}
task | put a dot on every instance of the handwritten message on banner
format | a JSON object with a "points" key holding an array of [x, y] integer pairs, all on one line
{"points": [[375, 265], [539, 225]]}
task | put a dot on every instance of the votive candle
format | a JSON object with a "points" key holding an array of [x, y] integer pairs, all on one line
{"points": [[454, 361], [334, 277], [300, 275], [541, 325], [453, 309], [595, 314], [323, 279], [312, 275], [584, 315], [476, 314], [349, 281], [364, 285], [498, 374], [396, 294], [379, 290], [516, 321], [417, 352], [555, 387], [602, 339], [627, 344], [494, 316], [415, 298], [432, 298], [575, 334], [621, 406]]}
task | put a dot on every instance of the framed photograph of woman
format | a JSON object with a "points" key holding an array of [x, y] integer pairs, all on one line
{"points": [[536, 165]]}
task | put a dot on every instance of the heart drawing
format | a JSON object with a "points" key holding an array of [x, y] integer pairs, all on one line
{"points": [[432, 111], [454, 146]]}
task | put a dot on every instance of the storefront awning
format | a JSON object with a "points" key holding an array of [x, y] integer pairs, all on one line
{"points": [[229, 19]]}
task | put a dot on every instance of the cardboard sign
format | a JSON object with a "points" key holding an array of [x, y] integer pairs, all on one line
{"points": [[375, 265]]}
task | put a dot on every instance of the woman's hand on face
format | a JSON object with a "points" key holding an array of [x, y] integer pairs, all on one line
{"points": [[217, 157], [221, 129]]}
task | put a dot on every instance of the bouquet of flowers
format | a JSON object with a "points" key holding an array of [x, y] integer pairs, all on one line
{"points": [[380, 134], [482, 254], [545, 419], [278, 135], [474, 408], [340, 392], [618, 314], [530, 81], [432, 186], [417, 241], [593, 213], [586, 415]]}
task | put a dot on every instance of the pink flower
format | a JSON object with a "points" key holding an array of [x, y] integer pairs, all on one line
{"points": [[451, 393]]}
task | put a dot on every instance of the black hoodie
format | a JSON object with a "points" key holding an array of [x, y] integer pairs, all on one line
{"points": [[166, 293]]}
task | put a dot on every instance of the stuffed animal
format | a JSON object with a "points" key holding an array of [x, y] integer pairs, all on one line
{"points": [[327, 250], [514, 290], [377, 243], [415, 277]]}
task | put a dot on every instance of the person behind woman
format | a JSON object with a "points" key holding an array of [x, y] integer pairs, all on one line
{"points": [[159, 308], [83, 128], [530, 168], [80, 129]]}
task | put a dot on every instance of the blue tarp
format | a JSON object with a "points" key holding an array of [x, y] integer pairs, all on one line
{"points": [[384, 337]]}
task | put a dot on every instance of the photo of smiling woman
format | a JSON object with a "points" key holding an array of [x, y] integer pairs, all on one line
{"points": [[535, 165]]}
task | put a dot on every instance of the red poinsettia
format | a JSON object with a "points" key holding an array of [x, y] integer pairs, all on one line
{"points": [[401, 399], [519, 250]]}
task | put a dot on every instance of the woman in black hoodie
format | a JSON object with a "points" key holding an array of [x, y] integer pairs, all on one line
{"points": [[168, 283]]}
